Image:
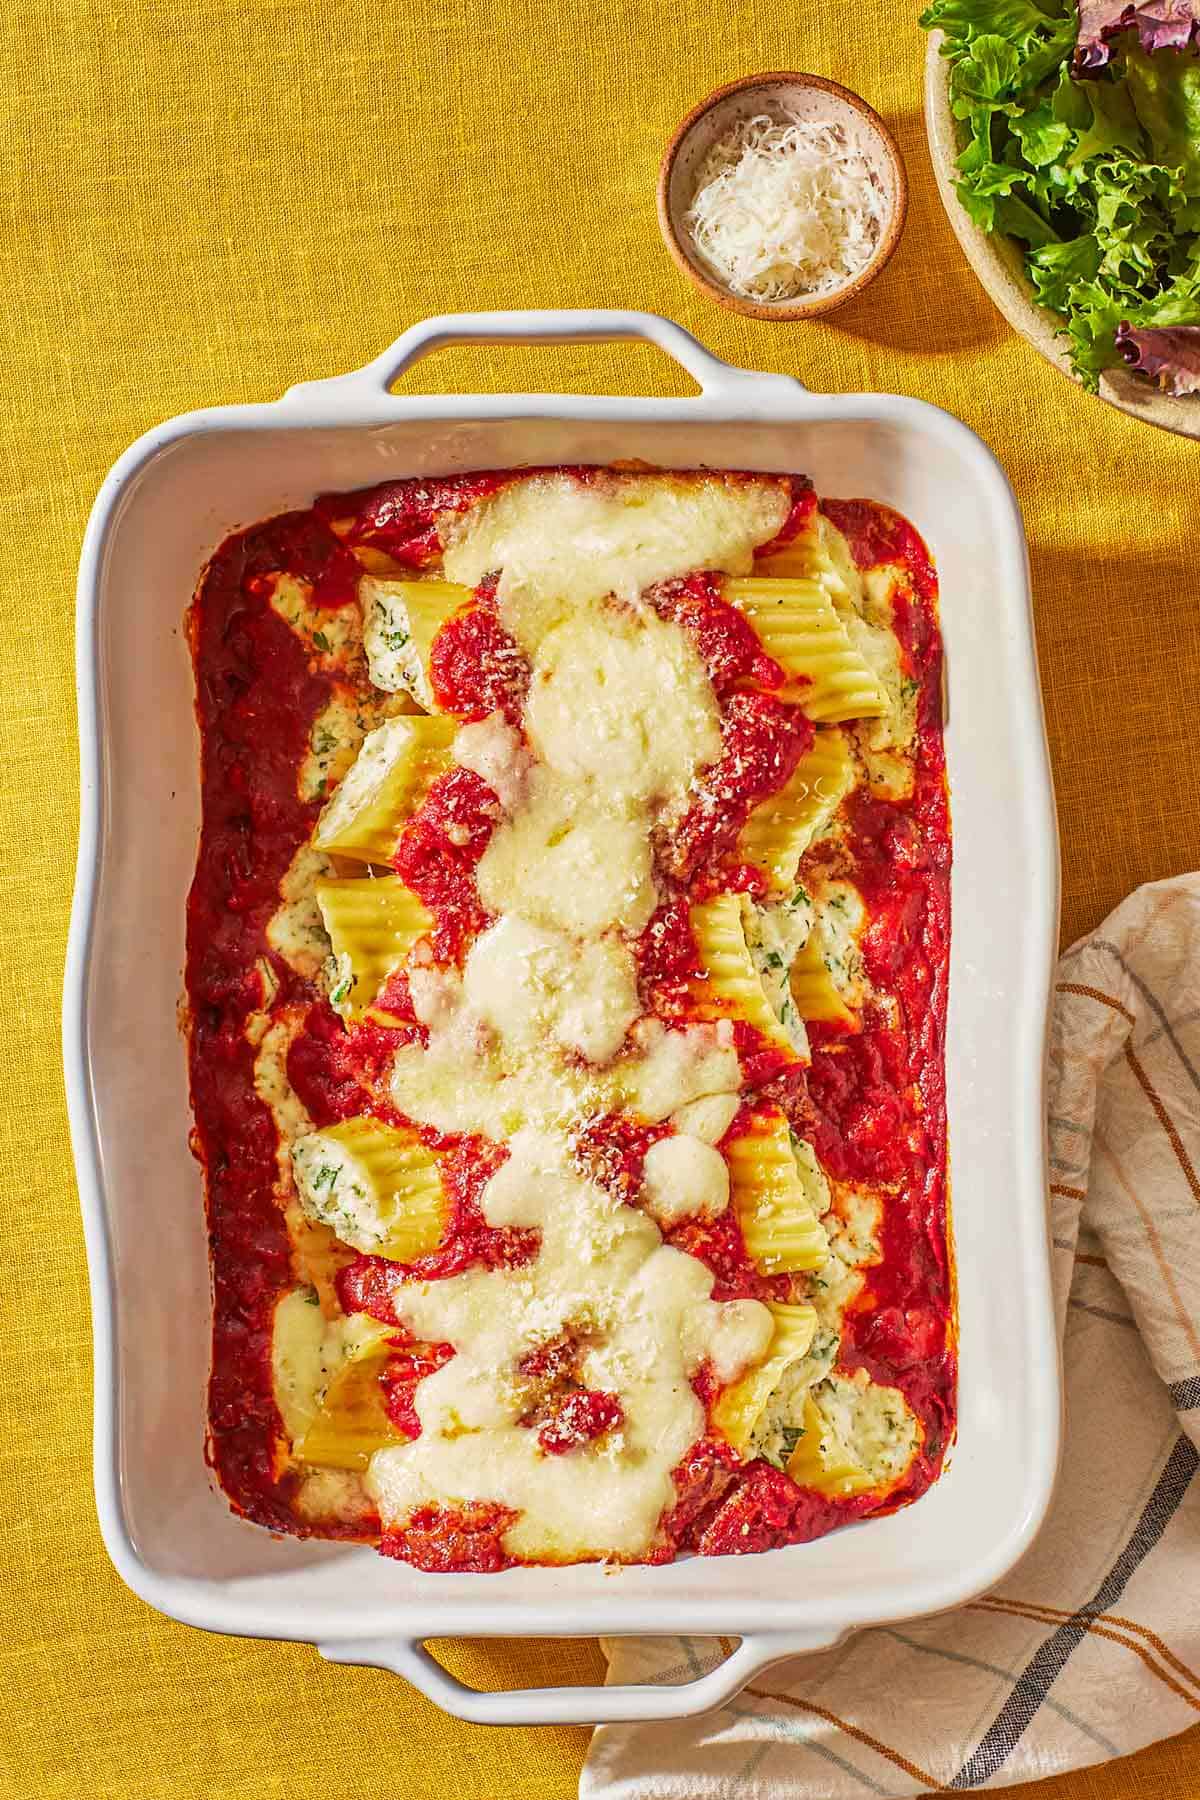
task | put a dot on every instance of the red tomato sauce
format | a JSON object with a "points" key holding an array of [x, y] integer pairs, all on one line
{"points": [[256, 698], [400, 518], [804, 505], [611, 1150], [468, 1540], [727, 643], [762, 740], [405, 1372], [475, 667], [579, 1418], [666, 955], [872, 1103], [437, 854]]}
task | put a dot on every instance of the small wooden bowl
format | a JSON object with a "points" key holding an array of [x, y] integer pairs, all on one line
{"points": [[999, 262], [783, 93]]}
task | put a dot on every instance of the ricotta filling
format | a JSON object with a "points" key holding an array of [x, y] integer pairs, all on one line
{"points": [[776, 1431], [866, 1427], [393, 659], [774, 935], [331, 635], [841, 918], [296, 931], [271, 1084]]}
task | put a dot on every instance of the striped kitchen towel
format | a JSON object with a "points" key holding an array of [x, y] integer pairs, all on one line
{"points": [[1091, 1647]]}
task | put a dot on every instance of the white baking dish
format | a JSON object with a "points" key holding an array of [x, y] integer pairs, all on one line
{"points": [[161, 511]]}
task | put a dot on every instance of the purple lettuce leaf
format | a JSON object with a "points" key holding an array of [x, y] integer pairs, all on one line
{"points": [[1160, 24], [1168, 354]]}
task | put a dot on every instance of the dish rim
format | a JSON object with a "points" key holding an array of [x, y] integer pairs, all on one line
{"points": [[356, 401]]}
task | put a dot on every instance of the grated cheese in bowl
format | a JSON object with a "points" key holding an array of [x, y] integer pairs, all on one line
{"points": [[786, 209]]}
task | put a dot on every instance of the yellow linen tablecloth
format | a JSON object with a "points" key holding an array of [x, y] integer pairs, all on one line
{"points": [[206, 203]]}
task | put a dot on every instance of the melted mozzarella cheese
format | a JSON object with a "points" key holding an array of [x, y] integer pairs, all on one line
{"points": [[707, 1119], [460, 1084], [491, 749], [672, 1068], [569, 860], [527, 983], [575, 853], [542, 1031], [605, 683], [650, 1323], [562, 544], [684, 1178], [472, 1077]]}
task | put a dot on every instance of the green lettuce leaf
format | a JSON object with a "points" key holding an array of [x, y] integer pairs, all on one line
{"points": [[983, 76], [1042, 137], [1021, 21], [1113, 125], [1056, 268], [1164, 91], [1069, 101]]}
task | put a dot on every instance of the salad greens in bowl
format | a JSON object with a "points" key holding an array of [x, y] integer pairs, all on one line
{"points": [[1071, 138]]}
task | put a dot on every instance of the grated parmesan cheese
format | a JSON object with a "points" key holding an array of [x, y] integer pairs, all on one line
{"points": [[785, 208]]}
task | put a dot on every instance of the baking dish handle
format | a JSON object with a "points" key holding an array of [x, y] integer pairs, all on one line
{"points": [[716, 379], [637, 1703]]}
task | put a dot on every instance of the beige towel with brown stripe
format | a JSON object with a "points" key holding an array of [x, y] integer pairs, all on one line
{"points": [[1091, 1647]]}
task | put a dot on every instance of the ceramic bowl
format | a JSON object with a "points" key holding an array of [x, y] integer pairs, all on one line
{"points": [[783, 94], [999, 264]]}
